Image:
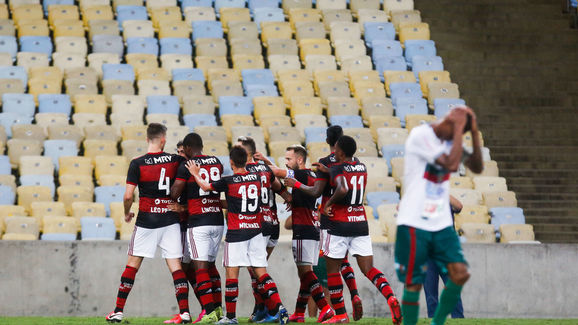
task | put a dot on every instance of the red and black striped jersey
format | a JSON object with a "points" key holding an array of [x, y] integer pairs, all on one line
{"points": [[243, 194], [349, 218], [304, 214], [154, 173], [204, 208], [268, 205]]}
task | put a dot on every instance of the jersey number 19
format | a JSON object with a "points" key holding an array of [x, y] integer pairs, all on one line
{"points": [[249, 193]]}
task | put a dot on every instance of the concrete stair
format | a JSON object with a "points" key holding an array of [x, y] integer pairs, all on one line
{"points": [[516, 64]]}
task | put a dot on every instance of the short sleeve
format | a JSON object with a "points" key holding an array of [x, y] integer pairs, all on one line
{"points": [[133, 173], [220, 185], [334, 172], [183, 173], [424, 143]]}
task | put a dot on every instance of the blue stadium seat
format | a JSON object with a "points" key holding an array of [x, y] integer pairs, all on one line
{"points": [[409, 105], [405, 89], [262, 4], [142, 45], [188, 74], [507, 216], [419, 47], [15, 72], [97, 228], [315, 134], [108, 194], [173, 45], [396, 63], [257, 77], [235, 105], [7, 195], [375, 199], [444, 105], [59, 148], [39, 180], [392, 151], [108, 44], [5, 167], [37, 44], [207, 29], [22, 104], [229, 4], [8, 44], [54, 103], [426, 63], [112, 71], [9, 119], [58, 237], [195, 3], [386, 48], [130, 13], [378, 31], [48, 3], [226, 161], [163, 105], [194, 120], [267, 14], [261, 90], [346, 121]]}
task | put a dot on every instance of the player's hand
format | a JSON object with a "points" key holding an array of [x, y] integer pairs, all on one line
{"points": [[128, 217], [193, 167], [289, 182], [328, 210], [459, 117], [320, 167], [259, 156], [474, 120], [176, 207]]}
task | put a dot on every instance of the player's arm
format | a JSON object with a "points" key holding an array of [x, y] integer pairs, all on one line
{"points": [[475, 162], [456, 204], [452, 161], [340, 192], [315, 191], [259, 156], [194, 170], [281, 190], [288, 223], [128, 201], [177, 189]]}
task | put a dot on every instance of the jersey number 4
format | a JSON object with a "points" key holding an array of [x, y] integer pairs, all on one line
{"points": [[354, 181], [164, 182], [247, 193]]}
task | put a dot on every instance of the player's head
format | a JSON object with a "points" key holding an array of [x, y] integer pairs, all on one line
{"points": [[295, 156], [248, 143], [193, 144], [157, 134], [333, 133], [180, 149], [238, 156], [345, 148]]}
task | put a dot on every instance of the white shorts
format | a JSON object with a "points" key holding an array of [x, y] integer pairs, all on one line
{"points": [[322, 238], [186, 259], [203, 242], [305, 251], [337, 247], [271, 242], [144, 242], [250, 252]]}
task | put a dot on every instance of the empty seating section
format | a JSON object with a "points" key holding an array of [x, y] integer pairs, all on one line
{"points": [[79, 83]]}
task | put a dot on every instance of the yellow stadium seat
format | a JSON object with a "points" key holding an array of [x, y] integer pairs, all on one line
{"points": [[127, 229], [303, 121], [397, 167], [335, 16], [229, 15], [176, 134], [314, 46], [243, 30], [21, 226], [293, 89], [320, 62], [88, 209], [41, 209], [356, 5], [490, 169], [467, 196], [11, 86], [96, 60], [134, 132], [516, 233], [224, 74], [427, 77], [68, 61], [32, 193], [35, 27], [271, 123], [22, 147], [117, 214], [75, 166], [177, 29], [377, 122], [113, 180], [331, 4], [279, 63], [387, 214], [397, 76], [103, 27], [336, 89], [101, 132], [137, 28], [76, 180], [31, 59], [131, 104], [69, 28], [275, 30], [255, 132], [337, 105], [290, 5], [243, 61], [111, 88], [278, 149], [27, 12], [36, 165], [317, 150], [380, 183], [245, 46], [478, 233], [19, 237], [8, 180], [304, 15], [86, 119], [168, 120], [349, 49], [266, 106], [305, 105], [405, 17], [93, 148], [46, 73], [323, 76], [157, 4], [368, 89], [359, 63], [229, 121], [131, 149], [461, 182], [417, 31], [212, 134], [83, 73], [442, 90], [60, 225], [153, 88], [141, 61], [345, 31], [390, 135], [486, 184], [366, 149], [226, 88], [59, 13], [376, 106], [371, 16], [80, 87], [375, 165], [207, 63], [500, 199], [392, 6], [216, 148], [184, 88], [11, 211], [198, 105], [284, 133], [50, 119], [310, 30], [5, 58], [413, 120], [165, 14], [110, 165], [84, 103], [472, 214], [4, 14], [359, 134], [199, 14], [28, 131], [292, 75], [97, 12], [70, 194]]}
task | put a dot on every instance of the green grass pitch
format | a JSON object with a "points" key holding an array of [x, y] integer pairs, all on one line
{"points": [[365, 321]]}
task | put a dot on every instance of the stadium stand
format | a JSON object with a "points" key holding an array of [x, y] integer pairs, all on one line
{"points": [[280, 72]]}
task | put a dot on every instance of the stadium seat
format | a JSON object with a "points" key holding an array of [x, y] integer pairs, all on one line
{"points": [[486, 184], [8, 72], [426, 63], [425, 48], [235, 105], [378, 31], [38, 180], [391, 151], [72, 165], [60, 148], [375, 199], [442, 90], [176, 46], [113, 44], [346, 121], [21, 104], [391, 135], [472, 214], [21, 225], [195, 120], [41, 209], [9, 45], [36, 44], [70, 194], [443, 105], [198, 105], [29, 194], [28, 132], [7, 195], [94, 228], [516, 233], [461, 182], [163, 105], [142, 45], [415, 31], [76, 180], [478, 233], [108, 194], [506, 215], [36, 165], [54, 103], [207, 29], [361, 135], [59, 228], [467, 196]]}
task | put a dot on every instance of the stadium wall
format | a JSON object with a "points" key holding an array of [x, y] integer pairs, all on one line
{"points": [[81, 279]]}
